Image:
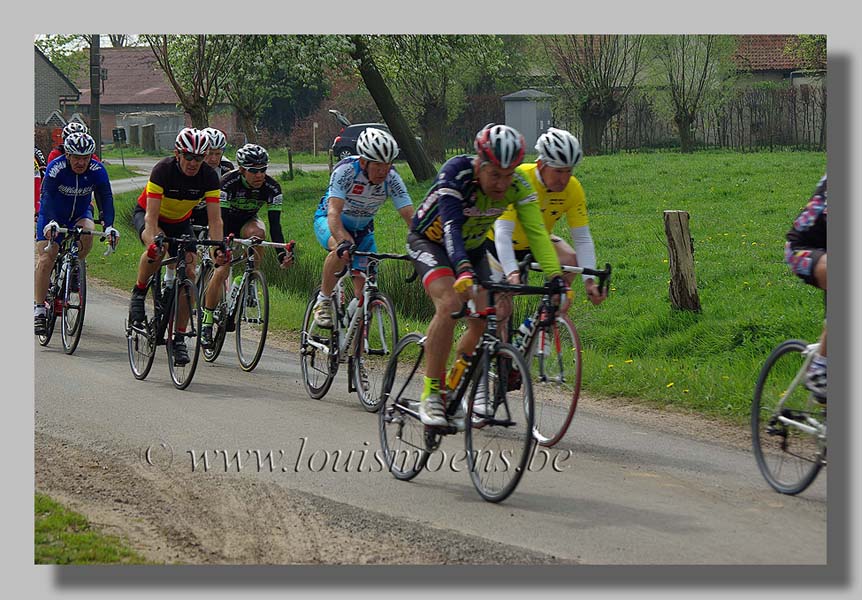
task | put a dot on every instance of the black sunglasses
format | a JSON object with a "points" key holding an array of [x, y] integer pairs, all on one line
{"points": [[194, 157], [255, 169]]}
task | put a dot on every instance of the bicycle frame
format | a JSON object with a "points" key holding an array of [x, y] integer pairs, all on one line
{"points": [[811, 426]]}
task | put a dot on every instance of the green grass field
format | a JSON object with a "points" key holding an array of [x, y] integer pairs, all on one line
{"points": [[64, 537], [635, 344]]}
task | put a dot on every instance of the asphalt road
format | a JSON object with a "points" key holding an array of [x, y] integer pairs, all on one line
{"points": [[630, 494]]}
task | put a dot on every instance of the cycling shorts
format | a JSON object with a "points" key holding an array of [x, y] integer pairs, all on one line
{"points": [[432, 262], [171, 229], [363, 238]]}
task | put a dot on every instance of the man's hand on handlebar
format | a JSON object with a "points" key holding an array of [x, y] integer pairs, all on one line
{"points": [[594, 293]]}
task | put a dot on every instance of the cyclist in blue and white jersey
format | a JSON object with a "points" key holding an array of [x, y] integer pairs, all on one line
{"points": [[69, 184], [358, 186]]}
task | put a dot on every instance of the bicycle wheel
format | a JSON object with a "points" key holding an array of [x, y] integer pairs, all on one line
{"points": [[402, 434], [142, 338], [252, 320], [219, 315], [52, 304], [203, 273], [185, 298], [74, 304], [788, 456], [374, 345], [498, 446], [555, 371], [317, 355]]}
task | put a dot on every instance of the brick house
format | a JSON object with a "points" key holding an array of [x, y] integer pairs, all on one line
{"points": [[52, 91]]}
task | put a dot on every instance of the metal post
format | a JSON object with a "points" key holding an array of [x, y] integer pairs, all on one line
{"points": [[95, 92]]}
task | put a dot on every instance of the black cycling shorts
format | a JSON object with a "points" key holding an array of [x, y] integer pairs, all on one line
{"points": [[432, 262], [170, 229]]}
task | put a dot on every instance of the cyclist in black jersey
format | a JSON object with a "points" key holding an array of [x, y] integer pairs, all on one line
{"points": [[244, 192], [805, 252]]}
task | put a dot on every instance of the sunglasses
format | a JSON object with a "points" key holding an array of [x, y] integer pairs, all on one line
{"points": [[194, 157], [255, 169]]}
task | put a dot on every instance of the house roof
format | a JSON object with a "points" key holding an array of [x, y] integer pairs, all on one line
{"points": [[525, 95], [765, 53], [73, 90], [134, 77]]}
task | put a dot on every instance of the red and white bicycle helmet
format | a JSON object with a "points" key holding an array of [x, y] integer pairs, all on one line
{"points": [[192, 140], [500, 145]]}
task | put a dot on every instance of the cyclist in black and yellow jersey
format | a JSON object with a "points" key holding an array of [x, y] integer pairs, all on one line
{"points": [[177, 184]]}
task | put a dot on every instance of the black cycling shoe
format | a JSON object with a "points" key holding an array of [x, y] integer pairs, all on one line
{"points": [[41, 324], [206, 336], [137, 313], [181, 353]]}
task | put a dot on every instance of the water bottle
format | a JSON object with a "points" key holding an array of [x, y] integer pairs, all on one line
{"points": [[169, 278], [351, 308], [526, 327], [457, 370]]}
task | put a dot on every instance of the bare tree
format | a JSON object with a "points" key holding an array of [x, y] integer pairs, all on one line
{"points": [[193, 65], [692, 66], [597, 73]]}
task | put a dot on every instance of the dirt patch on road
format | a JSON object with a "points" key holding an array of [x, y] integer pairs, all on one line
{"points": [[169, 518]]}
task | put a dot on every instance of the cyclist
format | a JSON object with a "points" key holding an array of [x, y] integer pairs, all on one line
{"points": [[70, 181], [358, 186], [39, 158], [215, 159], [450, 249], [37, 180], [176, 185], [244, 192], [805, 253]]}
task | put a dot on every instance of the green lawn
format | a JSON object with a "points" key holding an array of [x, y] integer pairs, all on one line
{"points": [[64, 537], [635, 344]]}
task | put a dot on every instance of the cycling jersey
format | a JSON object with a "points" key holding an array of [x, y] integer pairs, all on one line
{"points": [[178, 192], [362, 199], [457, 214], [241, 202], [65, 195], [570, 202], [806, 240], [225, 167]]}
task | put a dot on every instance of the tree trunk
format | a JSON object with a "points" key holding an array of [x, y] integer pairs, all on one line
{"points": [[683, 126], [432, 123], [199, 114], [418, 160], [683, 285], [247, 126], [594, 130]]}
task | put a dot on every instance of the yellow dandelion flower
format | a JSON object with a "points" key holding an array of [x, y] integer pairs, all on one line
{"points": [[629, 361], [610, 366], [670, 385]]}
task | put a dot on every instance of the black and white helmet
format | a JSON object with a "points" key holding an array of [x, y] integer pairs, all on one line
{"points": [[252, 155], [192, 140], [79, 144], [559, 148], [74, 127], [218, 141], [376, 145]]}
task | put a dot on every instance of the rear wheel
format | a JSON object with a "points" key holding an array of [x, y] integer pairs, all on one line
{"points": [[789, 457], [74, 304], [498, 445], [142, 339], [374, 347], [185, 302], [219, 314], [252, 320], [555, 370], [317, 354], [402, 434]]}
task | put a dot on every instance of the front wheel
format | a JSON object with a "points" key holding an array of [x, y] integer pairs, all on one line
{"points": [[789, 454], [402, 434], [555, 371], [374, 346], [252, 320], [499, 438], [53, 302], [74, 303], [182, 330], [318, 353], [141, 338]]}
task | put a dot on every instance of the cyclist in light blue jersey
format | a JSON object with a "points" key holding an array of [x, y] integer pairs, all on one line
{"points": [[358, 187]]}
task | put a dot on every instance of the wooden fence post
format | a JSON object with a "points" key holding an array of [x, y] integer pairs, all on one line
{"points": [[683, 285]]}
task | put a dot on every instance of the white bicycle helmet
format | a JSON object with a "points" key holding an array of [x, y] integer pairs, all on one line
{"points": [[74, 127], [192, 140], [79, 144], [500, 145], [376, 145], [559, 148], [218, 141]]}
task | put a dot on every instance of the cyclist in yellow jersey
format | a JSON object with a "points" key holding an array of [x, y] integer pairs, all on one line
{"points": [[559, 193]]}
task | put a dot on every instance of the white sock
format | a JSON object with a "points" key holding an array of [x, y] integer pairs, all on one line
{"points": [[39, 309], [320, 297]]}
